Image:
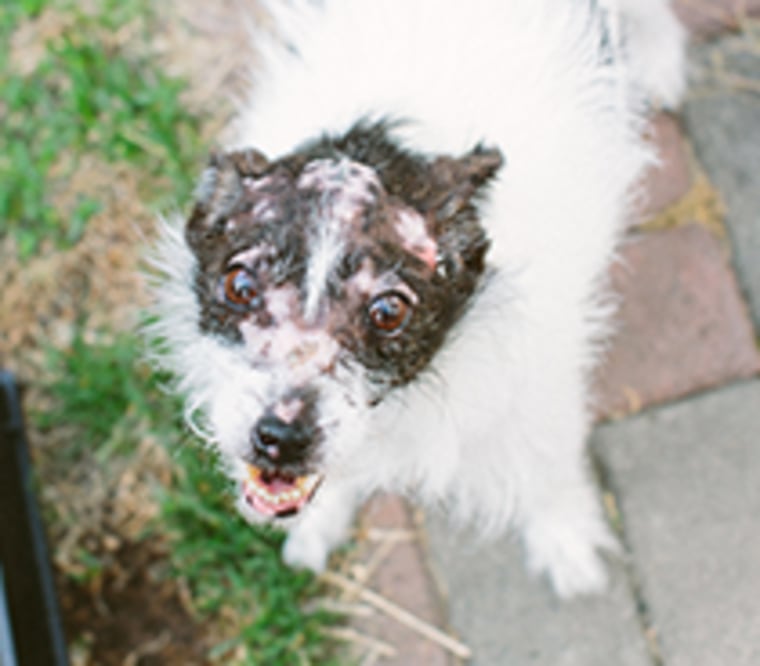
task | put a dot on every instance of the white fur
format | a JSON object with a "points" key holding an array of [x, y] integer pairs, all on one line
{"points": [[495, 428], [355, 179], [655, 49]]}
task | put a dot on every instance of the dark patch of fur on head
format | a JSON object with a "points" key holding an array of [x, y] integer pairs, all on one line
{"points": [[444, 190]]}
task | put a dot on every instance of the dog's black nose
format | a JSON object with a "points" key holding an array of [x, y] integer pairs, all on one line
{"points": [[279, 442]]}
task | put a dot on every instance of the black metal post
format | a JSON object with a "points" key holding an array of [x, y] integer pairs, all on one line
{"points": [[37, 635]]}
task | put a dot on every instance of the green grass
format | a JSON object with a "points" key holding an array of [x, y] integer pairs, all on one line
{"points": [[85, 98], [231, 565], [98, 385], [227, 564]]}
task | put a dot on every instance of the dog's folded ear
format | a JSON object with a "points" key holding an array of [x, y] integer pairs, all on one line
{"points": [[458, 181], [220, 190], [458, 184]]}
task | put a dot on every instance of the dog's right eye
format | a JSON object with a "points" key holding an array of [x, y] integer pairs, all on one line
{"points": [[239, 288], [389, 313]]}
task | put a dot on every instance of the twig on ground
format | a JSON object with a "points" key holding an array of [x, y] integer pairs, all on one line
{"points": [[381, 554], [396, 535], [340, 607], [371, 658], [354, 637], [148, 649], [399, 614]]}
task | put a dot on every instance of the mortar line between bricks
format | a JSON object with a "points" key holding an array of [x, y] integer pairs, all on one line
{"points": [[643, 615], [679, 400]]}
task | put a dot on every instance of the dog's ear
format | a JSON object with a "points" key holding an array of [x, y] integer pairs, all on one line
{"points": [[220, 190], [458, 183]]}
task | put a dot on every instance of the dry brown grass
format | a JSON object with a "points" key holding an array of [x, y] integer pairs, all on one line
{"points": [[95, 283]]}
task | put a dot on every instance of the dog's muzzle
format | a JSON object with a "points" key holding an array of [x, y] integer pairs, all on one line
{"points": [[278, 484]]}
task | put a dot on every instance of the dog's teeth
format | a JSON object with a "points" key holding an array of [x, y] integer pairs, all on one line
{"points": [[280, 498], [293, 494], [260, 492]]}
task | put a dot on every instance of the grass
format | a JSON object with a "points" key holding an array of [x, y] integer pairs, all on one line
{"points": [[84, 97], [230, 568], [240, 567]]}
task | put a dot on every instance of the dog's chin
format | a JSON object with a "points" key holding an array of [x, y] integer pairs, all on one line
{"points": [[276, 495]]}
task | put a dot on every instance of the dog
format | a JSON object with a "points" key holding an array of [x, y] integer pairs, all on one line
{"points": [[394, 276]]}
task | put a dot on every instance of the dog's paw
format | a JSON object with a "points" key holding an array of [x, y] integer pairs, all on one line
{"points": [[305, 549], [571, 558]]}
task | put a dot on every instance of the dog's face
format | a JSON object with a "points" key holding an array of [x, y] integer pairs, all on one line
{"points": [[328, 278]]}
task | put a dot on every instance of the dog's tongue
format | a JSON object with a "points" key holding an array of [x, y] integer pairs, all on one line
{"points": [[278, 495]]}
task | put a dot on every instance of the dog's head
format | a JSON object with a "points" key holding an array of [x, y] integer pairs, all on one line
{"points": [[326, 279]]}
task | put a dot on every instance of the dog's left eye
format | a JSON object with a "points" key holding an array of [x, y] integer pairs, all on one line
{"points": [[389, 312], [239, 288]]}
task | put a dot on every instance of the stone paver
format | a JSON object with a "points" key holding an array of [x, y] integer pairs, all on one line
{"points": [[511, 619], [706, 18], [723, 118], [400, 574], [687, 478], [682, 325]]}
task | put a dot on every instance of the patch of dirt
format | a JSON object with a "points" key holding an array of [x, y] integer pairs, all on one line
{"points": [[98, 507], [118, 604], [29, 42], [210, 45], [130, 615], [100, 504], [96, 283]]}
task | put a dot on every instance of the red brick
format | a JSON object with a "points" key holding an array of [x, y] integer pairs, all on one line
{"points": [[707, 18], [404, 579], [682, 324], [670, 179]]}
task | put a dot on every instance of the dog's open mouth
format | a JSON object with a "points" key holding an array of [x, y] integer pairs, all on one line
{"points": [[275, 494]]}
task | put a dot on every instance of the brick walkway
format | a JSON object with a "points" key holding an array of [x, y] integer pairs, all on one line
{"points": [[681, 478]]}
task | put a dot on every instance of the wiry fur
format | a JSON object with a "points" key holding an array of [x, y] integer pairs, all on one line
{"points": [[495, 426]]}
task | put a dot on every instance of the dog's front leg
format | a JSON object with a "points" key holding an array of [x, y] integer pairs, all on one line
{"points": [[321, 528], [563, 531], [559, 513]]}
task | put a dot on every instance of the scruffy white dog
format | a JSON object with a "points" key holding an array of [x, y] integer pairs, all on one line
{"points": [[395, 278]]}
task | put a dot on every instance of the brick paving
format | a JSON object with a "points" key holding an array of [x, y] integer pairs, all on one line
{"points": [[684, 329], [683, 326], [708, 18], [392, 562]]}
